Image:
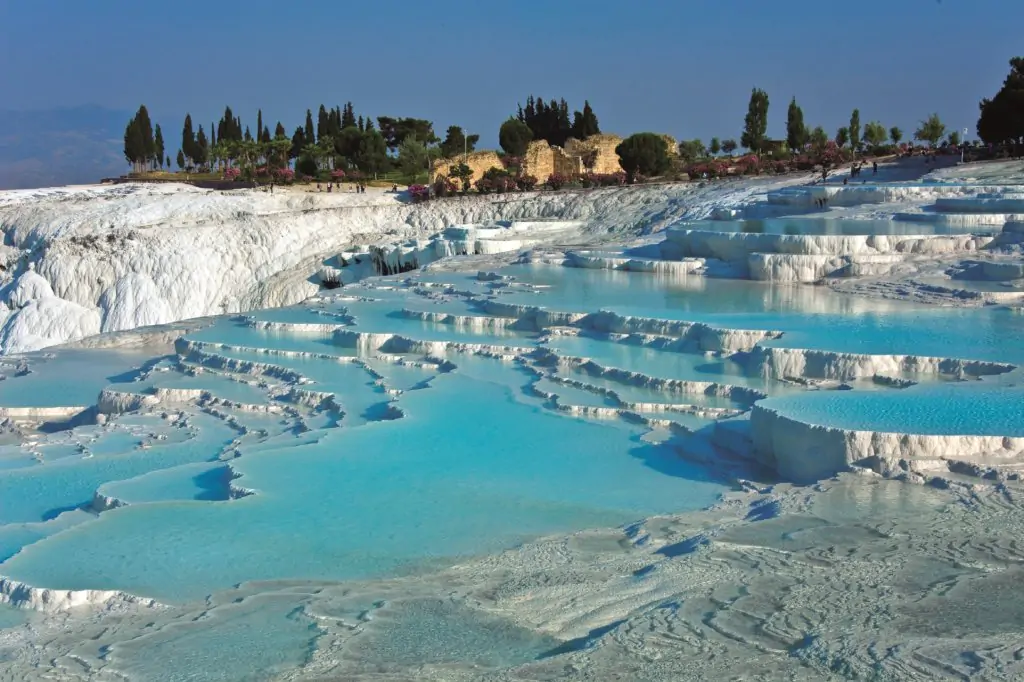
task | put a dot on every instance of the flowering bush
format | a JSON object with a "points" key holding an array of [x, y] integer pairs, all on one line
{"points": [[338, 174], [496, 180], [262, 171], [525, 183], [777, 167], [419, 193], [444, 187], [709, 169], [557, 181], [803, 163], [748, 165], [603, 179], [232, 173], [283, 174]]}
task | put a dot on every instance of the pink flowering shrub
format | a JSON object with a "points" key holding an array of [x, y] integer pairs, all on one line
{"points": [[338, 174], [419, 193], [557, 181], [232, 173], [444, 187], [709, 169], [526, 183], [283, 174], [748, 165], [496, 180]]}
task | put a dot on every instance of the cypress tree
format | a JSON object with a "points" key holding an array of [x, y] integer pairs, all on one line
{"points": [[213, 136], [248, 135], [590, 124], [298, 142], [360, 124], [202, 148], [279, 131], [348, 117], [564, 126], [158, 146], [323, 124], [855, 130], [146, 132], [188, 138], [168, 163], [259, 122], [132, 143], [796, 131], [310, 133], [266, 134], [369, 124], [180, 160], [755, 125]]}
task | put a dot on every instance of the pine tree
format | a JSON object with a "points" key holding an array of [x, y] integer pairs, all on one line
{"points": [[158, 146], [369, 125], [796, 131], [755, 124], [248, 135], [310, 133], [188, 138], [360, 124]]}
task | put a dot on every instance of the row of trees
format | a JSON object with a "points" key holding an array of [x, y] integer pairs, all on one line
{"points": [[143, 144], [550, 121]]}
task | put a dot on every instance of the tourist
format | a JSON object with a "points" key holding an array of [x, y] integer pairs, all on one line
{"points": [[874, 167]]}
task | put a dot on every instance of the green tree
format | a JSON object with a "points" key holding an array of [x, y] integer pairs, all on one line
{"points": [[456, 142], [181, 160], [395, 130], [310, 134], [158, 146], [895, 134], [796, 131], [168, 160], [755, 124], [715, 147], [323, 123], [413, 157], [931, 130], [188, 138], [464, 173], [842, 136], [818, 138], [954, 138], [691, 150], [372, 156], [279, 131], [514, 136], [1001, 119], [348, 117], [298, 142], [259, 123], [134, 145], [643, 153], [202, 148], [854, 130], [729, 146], [875, 134], [585, 123]]}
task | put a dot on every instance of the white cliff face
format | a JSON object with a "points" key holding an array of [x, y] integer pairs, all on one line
{"points": [[118, 257]]}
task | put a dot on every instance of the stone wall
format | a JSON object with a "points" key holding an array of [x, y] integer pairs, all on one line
{"points": [[606, 161], [478, 162]]}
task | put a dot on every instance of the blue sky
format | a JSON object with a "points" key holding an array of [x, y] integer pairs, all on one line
{"points": [[685, 67]]}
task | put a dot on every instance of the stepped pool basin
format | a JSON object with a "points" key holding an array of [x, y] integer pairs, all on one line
{"points": [[413, 426]]}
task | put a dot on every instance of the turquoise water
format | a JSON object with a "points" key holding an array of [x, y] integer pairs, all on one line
{"points": [[810, 317], [815, 226], [470, 469], [71, 377], [972, 408]]}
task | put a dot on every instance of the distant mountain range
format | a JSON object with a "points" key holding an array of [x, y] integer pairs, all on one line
{"points": [[69, 146]]}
